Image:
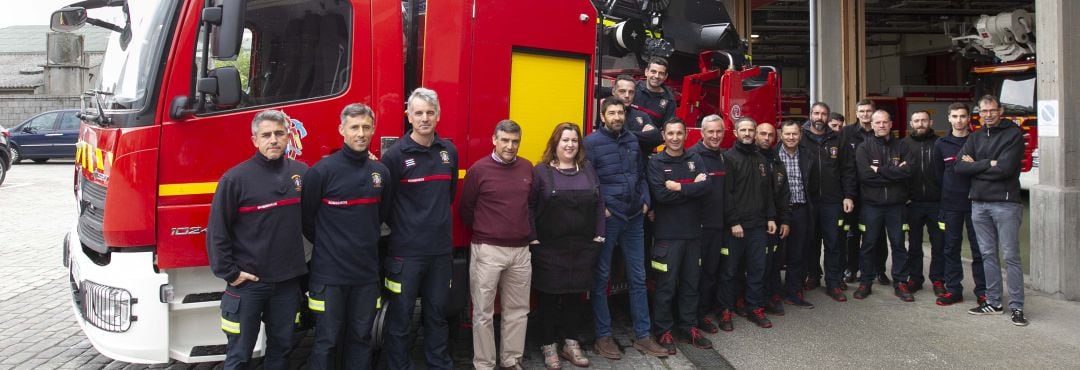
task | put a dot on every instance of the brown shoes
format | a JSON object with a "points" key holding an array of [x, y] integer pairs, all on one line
{"points": [[650, 347], [606, 347], [571, 351]]}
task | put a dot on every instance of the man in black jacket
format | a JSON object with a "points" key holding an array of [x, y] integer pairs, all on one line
{"points": [[255, 243], [956, 212], [834, 195], [750, 215], [765, 138], [712, 221], [992, 158], [855, 134], [925, 207], [344, 203], [883, 176], [678, 182], [424, 169], [652, 96]]}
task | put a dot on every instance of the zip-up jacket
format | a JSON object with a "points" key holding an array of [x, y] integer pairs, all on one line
{"points": [[621, 170], [926, 168], [749, 201], [954, 186], [635, 122], [1003, 143], [344, 204], [255, 221], [677, 212], [712, 205], [806, 169], [425, 182], [658, 105], [833, 165], [888, 185], [778, 187]]}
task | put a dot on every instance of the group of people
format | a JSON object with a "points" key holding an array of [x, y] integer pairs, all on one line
{"points": [[723, 224]]}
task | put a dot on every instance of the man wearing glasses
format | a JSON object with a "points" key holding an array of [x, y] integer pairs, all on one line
{"points": [[992, 158]]}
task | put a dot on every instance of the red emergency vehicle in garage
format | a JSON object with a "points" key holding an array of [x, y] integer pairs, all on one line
{"points": [[182, 79]]}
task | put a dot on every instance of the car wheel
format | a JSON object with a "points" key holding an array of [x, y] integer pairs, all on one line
{"points": [[40, 160], [15, 157], [3, 171]]}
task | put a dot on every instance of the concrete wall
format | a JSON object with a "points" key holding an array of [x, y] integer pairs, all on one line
{"points": [[16, 109]]}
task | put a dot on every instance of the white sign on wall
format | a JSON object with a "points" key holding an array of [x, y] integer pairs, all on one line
{"points": [[1049, 118]]}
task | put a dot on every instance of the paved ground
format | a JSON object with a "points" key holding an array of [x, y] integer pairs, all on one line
{"points": [[37, 329]]}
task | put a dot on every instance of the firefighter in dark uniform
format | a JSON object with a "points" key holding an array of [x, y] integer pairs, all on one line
{"points": [[255, 243], [678, 182], [343, 207], [883, 179], [774, 256], [751, 216], [639, 123], [652, 97], [424, 170], [712, 221]]}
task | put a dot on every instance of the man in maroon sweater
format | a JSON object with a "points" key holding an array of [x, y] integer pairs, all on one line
{"points": [[494, 205]]}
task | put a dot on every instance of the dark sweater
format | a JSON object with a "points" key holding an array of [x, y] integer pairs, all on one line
{"points": [[495, 202], [425, 181], [954, 186], [1003, 143], [344, 203], [255, 224], [712, 206], [677, 212], [888, 185], [926, 168], [749, 198], [833, 166]]}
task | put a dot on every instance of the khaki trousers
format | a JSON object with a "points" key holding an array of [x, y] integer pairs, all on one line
{"points": [[507, 270]]}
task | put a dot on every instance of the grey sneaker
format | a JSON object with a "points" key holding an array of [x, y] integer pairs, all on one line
{"points": [[985, 309], [1018, 317]]}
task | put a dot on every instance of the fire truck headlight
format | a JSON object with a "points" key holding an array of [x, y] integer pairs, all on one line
{"points": [[106, 307]]}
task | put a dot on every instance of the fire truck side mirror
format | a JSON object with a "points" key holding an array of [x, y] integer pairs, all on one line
{"points": [[224, 84], [227, 17], [67, 19]]}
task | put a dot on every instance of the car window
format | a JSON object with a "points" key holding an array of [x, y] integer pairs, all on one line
{"points": [[42, 123], [69, 122]]}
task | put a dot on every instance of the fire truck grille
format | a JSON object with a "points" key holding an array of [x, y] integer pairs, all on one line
{"points": [[92, 216]]}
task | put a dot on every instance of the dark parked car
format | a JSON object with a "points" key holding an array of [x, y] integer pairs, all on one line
{"points": [[47, 135]]}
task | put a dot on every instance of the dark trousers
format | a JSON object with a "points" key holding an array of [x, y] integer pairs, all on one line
{"points": [[713, 254], [561, 315], [342, 308], [750, 249], [853, 240], [774, 260], [244, 307], [428, 277], [797, 241], [925, 215], [829, 220], [890, 220], [955, 222], [677, 267]]}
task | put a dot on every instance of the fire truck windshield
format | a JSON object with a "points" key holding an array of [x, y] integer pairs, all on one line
{"points": [[132, 55], [1016, 92]]}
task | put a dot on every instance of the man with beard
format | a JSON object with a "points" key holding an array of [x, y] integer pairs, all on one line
{"points": [[614, 154], [992, 158], [836, 121], [750, 217], [712, 223], [925, 206], [642, 125], [883, 176], [834, 195], [956, 212], [855, 134], [652, 96]]}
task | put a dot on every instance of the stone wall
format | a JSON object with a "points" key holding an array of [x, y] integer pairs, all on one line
{"points": [[16, 109]]}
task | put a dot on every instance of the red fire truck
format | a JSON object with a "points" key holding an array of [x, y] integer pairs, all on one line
{"points": [[182, 79]]}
